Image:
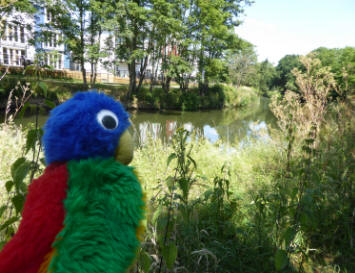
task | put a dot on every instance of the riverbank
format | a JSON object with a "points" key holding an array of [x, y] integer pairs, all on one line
{"points": [[217, 96], [239, 212]]}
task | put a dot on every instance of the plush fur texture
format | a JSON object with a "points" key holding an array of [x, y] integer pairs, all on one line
{"points": [[73, 132], [104, 209], [85, 215], [42, 219]]}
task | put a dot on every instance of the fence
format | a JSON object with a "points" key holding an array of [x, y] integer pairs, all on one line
{"points": [[100, 77], [62, 74]]}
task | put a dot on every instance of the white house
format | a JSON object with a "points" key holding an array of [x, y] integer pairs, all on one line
{"points": [[29, 38], [14, 43], [17, 42]]}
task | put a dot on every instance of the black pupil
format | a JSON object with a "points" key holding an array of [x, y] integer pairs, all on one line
{"points": [[109, 122]]}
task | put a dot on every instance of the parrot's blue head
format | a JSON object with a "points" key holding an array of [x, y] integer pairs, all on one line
{"points": [[88, 125]]}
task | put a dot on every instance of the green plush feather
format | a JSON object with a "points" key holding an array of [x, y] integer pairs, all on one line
{"points": [[104, 208]]}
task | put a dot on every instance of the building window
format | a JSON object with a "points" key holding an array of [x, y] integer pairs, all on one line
{"points": [[22, 31], [17, 57], [23, 57], [122, 73], [54, 40], [5, 56], [15, 33], [4, 37], [3, 33], [10, 32], [11, 57], [49, 15], [52, 60], [75, 66], [60, 62]]}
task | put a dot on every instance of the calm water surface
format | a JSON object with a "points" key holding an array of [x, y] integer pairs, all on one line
{"points": [[229, 126]]}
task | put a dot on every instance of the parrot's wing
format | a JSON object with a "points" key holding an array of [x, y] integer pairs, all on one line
{"points": [[42, 219], [104, 209]]}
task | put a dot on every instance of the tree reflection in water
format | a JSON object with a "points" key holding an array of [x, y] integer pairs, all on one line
{"points": [[231, 126]]}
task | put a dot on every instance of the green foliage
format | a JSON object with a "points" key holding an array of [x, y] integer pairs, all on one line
{"points": [[242, 64], [238, 97], [179, 69], [22, 171], [190, 101], [255, 214], [285, 79], [342, 64], [213, 32], [265, 77], [282, 206], [216, 97]]}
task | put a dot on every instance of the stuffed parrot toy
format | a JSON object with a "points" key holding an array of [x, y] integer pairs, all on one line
{"points": [[84, 214]]}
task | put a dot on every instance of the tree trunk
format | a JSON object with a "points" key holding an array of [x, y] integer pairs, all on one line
{"points": [[132, 79], [82, 44], [155, 66], [187, 82], [166, 84], [92, 41], [201, 86], [142, 72], [92, 72], [83, 71], [94, 79], [152, 77]]}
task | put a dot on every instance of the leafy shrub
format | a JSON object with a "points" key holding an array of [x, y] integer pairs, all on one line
{"points": [[190, 101], [239, 97], [31, 72]]}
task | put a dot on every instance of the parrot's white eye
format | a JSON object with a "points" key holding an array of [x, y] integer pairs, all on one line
{"points": [[107, 119]]}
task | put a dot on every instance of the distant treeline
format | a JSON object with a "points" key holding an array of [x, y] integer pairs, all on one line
{"points": [[265, 76]]}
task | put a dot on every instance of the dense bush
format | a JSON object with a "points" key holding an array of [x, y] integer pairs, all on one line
{"points": [[32, 72], [239, 97], [55, 90], [216, 97], [251, 210]]}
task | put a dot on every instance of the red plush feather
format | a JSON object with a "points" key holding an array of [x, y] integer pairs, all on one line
{"points": [[42, 219]]}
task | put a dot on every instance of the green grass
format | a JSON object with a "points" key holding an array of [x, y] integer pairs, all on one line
{"points": [[240, 210], [12, 139], [151, 160]]}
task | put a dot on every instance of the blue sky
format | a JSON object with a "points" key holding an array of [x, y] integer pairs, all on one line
{"points": [[280, 27]]}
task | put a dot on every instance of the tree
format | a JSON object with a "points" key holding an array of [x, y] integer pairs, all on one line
{"points": [[179, 70], [266, 75], [213, 24], [173, 39], [285, 79], [78, 21], [242, 64], [128, 21], [95, 51], [347, 79], [342, 64]]}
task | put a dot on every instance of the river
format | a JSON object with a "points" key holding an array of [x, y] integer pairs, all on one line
{"points": [[237, 126]]}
